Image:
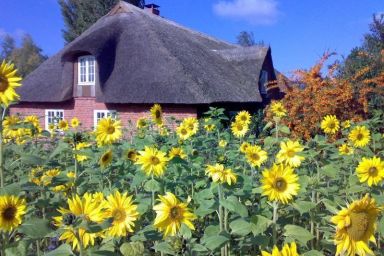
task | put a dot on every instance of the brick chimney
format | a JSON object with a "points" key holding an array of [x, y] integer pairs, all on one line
{"points": [[152, 8]]}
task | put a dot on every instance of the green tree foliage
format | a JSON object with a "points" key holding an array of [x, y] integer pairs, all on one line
{"points": [[81, 14], [245, 39], [26, 58], [7, 46], [366, 61]]}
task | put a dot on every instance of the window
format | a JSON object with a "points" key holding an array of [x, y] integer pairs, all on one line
{"points": [[99, 114], [263, 81], [53, 116], [86, 70]]}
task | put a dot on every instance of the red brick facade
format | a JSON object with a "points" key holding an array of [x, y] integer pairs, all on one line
{"points": [[83, 108]]}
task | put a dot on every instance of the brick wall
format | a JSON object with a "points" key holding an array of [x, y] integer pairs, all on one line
{"points": [[83, 108]]}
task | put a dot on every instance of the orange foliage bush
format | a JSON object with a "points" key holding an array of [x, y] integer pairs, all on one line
{"points": [[311, 95]]}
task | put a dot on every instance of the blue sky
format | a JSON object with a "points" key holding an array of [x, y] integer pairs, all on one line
{"points": [[299, 31]]}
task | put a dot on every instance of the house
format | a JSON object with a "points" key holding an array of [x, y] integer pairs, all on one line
{"points": [[132, 58]]}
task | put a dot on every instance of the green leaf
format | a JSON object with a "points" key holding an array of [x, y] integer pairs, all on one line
{"points": [[152, 185], [284, 129], [36, 228], [240, 227], [380, 227], [303, 206], [164, 248], [260, 224], [313, 253], [62, 250], [32, 160], [185, 231], [199, 248], [93, 227], [298, 233], [215, 241], [18, 249], [12, 189], [233, 204], [132, 249]]}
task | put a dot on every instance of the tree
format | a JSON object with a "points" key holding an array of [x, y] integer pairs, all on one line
{"points": [[79, 15], [367, 58], [7, 46], [26, 58], [247, 39]]}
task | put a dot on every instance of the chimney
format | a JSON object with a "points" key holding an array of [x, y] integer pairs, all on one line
{"points": [[152, 8]]}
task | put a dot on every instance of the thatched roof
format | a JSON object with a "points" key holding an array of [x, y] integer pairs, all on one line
{"points": [[144, 58]]}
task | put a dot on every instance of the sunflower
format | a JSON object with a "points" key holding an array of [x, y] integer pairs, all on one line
{"points": [[141, 123], [105, 159], [12, 209], [34, 121], [8, 82], [346, 124], [183, 132], [287, 250], [10, 129], [79, 208], [170, 214], [255, 155], [288, 153], [152, 161], [223, 143], [371, 170], [108, 131], [35, 175], [280, 183], [47, 177], [209, 127], [360, 136], [221, 175], [75, 122], [63, 125], [239, 129], [243, 117], [121, 208], [244, 146], [80, 146], [344, 149], [192, 124], [157, 114], [131, 155], [355, 227], [179, 152], [278, 109], [330, 124]]}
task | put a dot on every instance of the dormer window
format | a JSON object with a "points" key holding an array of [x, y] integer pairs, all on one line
{"points": [[86, 70]]}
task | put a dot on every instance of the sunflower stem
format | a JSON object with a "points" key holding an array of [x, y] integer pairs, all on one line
{"points": [[1, 150], [274, 222], [3, 244], [221, 216], [153, 194], [38, 252], [81, 246]]}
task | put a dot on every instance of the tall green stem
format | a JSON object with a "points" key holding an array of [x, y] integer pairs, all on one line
{"points": [[221, 215], [274, 222], [1, 154]]}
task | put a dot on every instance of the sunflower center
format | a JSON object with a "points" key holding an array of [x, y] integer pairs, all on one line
{"points": [[155, 160], [359, 136], [119, 215], [239, 127], [105, 158], [110, 129], [175, 212], [184, 131], [243, 118], [255, 156], [131, 155], [290, 153], [3, 84], [157, 114], [280, 184], [373, 171], [359, 225], [9, 213], [331, 125]]}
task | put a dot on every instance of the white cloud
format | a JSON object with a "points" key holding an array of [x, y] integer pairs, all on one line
{"points": [[254, 11]]}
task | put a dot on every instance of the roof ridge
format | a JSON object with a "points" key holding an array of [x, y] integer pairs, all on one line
{"points": [[124, 7]]}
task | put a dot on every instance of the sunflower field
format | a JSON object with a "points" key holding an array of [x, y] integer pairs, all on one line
{"points": [[209, 186]]}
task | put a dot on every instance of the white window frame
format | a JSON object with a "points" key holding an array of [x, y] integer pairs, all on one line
{"points": [[88, 60], [103, 114], [56, 114]]}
